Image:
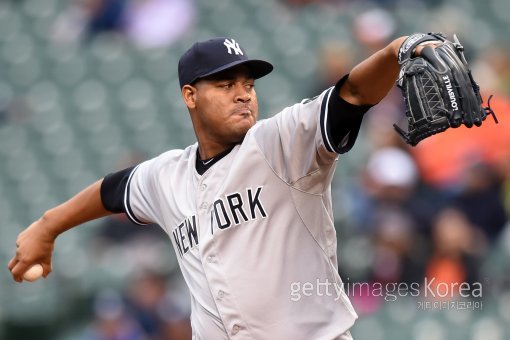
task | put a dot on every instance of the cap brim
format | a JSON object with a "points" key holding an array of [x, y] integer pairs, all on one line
{"points": [[257, 68]]}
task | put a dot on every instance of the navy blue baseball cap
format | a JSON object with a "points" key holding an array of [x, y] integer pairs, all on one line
{"points": [[209, 57]]}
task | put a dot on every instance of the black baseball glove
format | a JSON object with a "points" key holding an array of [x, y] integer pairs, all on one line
{"points": [[439, 90]]}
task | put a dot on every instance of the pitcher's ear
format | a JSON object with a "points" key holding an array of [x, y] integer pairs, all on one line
{"points": [[189, 96]]}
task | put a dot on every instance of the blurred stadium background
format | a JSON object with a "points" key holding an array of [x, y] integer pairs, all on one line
{"points": [[89, 87]]}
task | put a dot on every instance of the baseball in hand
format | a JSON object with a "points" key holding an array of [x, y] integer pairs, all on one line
{"points": [[34, 273]]}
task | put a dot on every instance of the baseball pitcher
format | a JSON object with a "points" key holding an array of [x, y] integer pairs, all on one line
{"points": [[248, 207]]}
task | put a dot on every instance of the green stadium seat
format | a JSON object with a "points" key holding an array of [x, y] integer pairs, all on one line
{"points": [[370, 327], [13, 140], [39, 8], [487, 327], [69, 68], [136, 94], [91, 94], [429, 328], [10, 22], [159, 66]]}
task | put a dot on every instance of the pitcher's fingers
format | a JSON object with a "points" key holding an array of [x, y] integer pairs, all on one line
{"points": [[12, 263], [47, 268], [19, 269]]}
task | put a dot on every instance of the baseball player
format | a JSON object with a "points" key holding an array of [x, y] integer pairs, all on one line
{"points": [[248, 207]]}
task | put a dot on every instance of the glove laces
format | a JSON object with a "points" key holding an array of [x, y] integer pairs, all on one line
{"points": [[489, 110]]}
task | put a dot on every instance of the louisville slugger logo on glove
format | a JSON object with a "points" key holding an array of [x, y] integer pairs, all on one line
{"points": [[451, 94], [438, 88]]}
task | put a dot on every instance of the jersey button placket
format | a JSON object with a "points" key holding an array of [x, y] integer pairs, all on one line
{"points": [[235, 329], [212, 265], [202, 197]]}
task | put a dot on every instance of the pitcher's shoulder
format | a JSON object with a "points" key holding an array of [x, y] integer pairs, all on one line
{"points": [[176, 155]]}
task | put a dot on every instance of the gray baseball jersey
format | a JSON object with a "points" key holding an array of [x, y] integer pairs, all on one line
{"points": [[254, 235]]}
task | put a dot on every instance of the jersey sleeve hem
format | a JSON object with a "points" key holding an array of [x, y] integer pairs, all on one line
{"points": [[340, 121], [324, 122], [112, 190], [129, 211]]}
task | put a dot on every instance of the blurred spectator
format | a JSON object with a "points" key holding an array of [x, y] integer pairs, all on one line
{"points": [[397, 214], [86, 18], [455, 253], [13, 109], [380, 119], [392, 180], [112, 320], [397, 251], [335, 60], [442, 158], [157, 23], [481, 199], [177, 330], [104, 15], [505, 174], [373, 29], [147, 23], [492, 71], [152, 304], [147, 311]]}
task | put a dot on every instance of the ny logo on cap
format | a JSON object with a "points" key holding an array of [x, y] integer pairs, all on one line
{"points": [[232, 45]]}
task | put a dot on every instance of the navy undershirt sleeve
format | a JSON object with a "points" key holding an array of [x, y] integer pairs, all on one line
{"points": [[113, 189], [344, 120]]}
